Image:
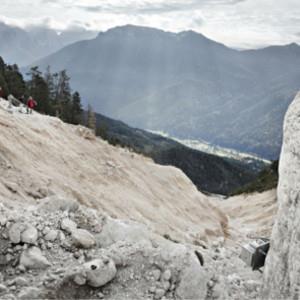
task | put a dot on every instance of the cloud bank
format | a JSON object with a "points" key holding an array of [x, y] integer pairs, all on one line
{"points": [[237, 23]]}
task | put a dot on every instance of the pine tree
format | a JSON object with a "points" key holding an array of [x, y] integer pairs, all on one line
{"points": [[76, 111], [63, 96], [14, 80]]}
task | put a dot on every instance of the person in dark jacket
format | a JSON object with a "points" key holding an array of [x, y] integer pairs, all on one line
{"points": [[31, 104]]}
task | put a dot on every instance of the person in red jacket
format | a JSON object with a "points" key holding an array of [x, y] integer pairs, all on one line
{"points": [[31, 104]]}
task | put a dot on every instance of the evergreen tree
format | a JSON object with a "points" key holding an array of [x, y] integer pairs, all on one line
{"points": [[14, 80], [63, 96], [76, 112]]}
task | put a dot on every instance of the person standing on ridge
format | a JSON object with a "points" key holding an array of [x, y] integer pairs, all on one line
{"points": [[31, 104]]}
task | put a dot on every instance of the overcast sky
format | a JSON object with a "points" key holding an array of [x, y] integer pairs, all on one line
{"points": [[238, 23]]}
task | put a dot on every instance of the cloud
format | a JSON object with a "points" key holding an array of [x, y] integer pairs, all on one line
{"points": [[238, 23], [153, 7]]}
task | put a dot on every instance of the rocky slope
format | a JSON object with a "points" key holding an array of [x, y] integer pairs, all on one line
{"points": [[281, 276], [42, 156], [80, 219]]}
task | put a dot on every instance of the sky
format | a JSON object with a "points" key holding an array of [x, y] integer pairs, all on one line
{"points": [[236, 23]]}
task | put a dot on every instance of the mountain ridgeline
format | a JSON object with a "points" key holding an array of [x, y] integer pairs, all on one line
{"points": [[186, 85], [208, 172]]}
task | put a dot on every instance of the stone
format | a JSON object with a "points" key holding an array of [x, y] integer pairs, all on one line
{"points": [[29, 235], [99, 272], [3, 288], [82, 238], [193, 281], [159, 293], [3, 221], [166, 285], [15, 231], [21, 281], [80, 279], [167, 275], [156, 274], [33, 258], [55, 203], [282, 266], [29, 293], [51, 235], [68, 225]]}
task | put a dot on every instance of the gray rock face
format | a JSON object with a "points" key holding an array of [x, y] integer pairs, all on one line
{"points": [[281, 275]]}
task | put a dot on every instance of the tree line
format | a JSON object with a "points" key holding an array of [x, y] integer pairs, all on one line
{"points": [[51, 90]]}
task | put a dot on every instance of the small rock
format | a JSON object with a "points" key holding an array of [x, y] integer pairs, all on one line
{"points": [[15, 231], [21, 268], [82, 238], [21, 281], [167, 275], [210, 284], [99, 273], [61, 236], [3, 288], [33, 258], [29, 293], [159, 293], [8, 257], [166, 285], [29, 235], [51, 235], [100, 295], [68, 225], [3, 221], [80, 279], [156, 274]]}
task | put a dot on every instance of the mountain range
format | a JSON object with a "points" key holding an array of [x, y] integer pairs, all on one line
{"points": [[186, 85], [22, 46]]}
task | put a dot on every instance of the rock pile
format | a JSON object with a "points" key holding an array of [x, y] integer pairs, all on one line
{"points": [[73, 252]]}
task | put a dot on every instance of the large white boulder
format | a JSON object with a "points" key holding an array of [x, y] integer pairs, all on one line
{"points": [[282, 269]]}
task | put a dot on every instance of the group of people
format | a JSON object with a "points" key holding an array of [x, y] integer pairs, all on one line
{"points": [[30, 103]]}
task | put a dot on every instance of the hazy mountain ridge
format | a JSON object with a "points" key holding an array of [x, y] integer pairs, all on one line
{"points": [[23, 46], [186, 85]]}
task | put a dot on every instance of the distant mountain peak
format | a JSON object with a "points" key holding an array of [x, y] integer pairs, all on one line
{"points": [[144, 31]]}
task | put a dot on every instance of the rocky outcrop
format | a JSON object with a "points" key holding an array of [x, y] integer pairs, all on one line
{"points": [[282, 270], [83, 254]]}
